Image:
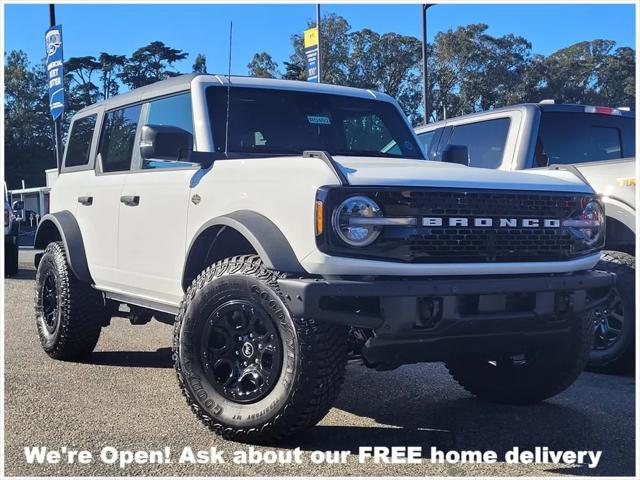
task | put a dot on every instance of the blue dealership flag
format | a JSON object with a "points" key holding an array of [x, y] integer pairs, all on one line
{"points": [[53, 42]]}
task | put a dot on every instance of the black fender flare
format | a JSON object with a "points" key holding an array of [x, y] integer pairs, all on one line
{"points": [[263, 235], [69, 232]]}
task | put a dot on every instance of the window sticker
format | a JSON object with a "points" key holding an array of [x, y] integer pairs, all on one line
{"points": [[319, 119]]}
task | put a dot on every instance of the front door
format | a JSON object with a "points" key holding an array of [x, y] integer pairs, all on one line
{"points": [[153, 219]]}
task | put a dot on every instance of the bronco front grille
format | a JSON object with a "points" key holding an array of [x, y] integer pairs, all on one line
{"points": [[440, 244]]}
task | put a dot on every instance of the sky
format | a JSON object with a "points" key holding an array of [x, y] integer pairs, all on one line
{"points": [[197, 28]]}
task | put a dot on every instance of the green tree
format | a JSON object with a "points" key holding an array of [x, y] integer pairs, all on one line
{"points": [[200, 64], [369, 67], [471, 70], [590, 72], [81, 89], [616, 78], [263, 66], [28, 142], [571, 73], [150, 64], [111, 66], [293, 71]]}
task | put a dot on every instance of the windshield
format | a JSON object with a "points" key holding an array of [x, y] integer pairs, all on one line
{"points": [[282, 122]]}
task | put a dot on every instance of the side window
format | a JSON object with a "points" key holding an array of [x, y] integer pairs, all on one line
{"points": [[173, 112], [628, 138], [576, 137], [118, 138], [485, 141], [429, 142], [426, 138], [79, 145]]}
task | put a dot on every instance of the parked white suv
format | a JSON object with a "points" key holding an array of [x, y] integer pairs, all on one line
{"points": [[268, 221]]}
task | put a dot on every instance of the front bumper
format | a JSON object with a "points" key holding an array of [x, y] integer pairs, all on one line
{"points": [[450, 314]]}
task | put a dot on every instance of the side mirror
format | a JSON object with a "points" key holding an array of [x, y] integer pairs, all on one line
{"points": [[164, 142], [19, 205], [456, 154]]}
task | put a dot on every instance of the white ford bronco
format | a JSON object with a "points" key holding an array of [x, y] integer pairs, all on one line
{"points": [[270, 222]]}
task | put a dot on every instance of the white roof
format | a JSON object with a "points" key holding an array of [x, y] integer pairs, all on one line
{"points": [[185, 82]]}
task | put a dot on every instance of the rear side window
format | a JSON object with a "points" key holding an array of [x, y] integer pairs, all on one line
{"points": [[79, 145], [118, 138], [485, 141], [567, 137]]}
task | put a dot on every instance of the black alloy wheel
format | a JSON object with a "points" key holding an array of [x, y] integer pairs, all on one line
{"points": [[608, 321], [50, 302], [241, 351]]}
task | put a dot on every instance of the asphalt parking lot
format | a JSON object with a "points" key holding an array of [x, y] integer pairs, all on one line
{"points": [[126, 396]]}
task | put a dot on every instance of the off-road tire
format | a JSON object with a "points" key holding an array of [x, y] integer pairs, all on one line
{"points": [[10, 259], [621, 354], [313, 361], [545, 372], [79, 312]]}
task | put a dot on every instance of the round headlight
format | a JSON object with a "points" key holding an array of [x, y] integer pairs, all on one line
{"points": [[594, 215], [589, 223], [350, 221]]}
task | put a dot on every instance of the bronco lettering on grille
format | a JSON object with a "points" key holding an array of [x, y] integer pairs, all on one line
{"points": [[490, 222]]}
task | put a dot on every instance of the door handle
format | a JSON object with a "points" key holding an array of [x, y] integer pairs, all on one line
{"points": [[85, 200], [130, 200]]}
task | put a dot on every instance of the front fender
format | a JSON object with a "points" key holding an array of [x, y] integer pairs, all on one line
{"points": [[263, 235], [620, 211]]}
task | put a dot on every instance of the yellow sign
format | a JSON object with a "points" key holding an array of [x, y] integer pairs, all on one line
{"points": [[627, 182], [311, 37]]}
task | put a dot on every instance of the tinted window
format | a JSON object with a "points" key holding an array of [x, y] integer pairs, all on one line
{"points": [[485, 141], [426, 138], [429, 142], [568, 137], [118, 138], [79, 144], [171, 111], [264, 121]]}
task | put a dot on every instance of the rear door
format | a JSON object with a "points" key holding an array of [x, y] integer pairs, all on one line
{"points": [[78, 162], [99, 195]]}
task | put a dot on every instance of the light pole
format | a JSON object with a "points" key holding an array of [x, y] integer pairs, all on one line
{"points": [[425, 74], [319, 57]]}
